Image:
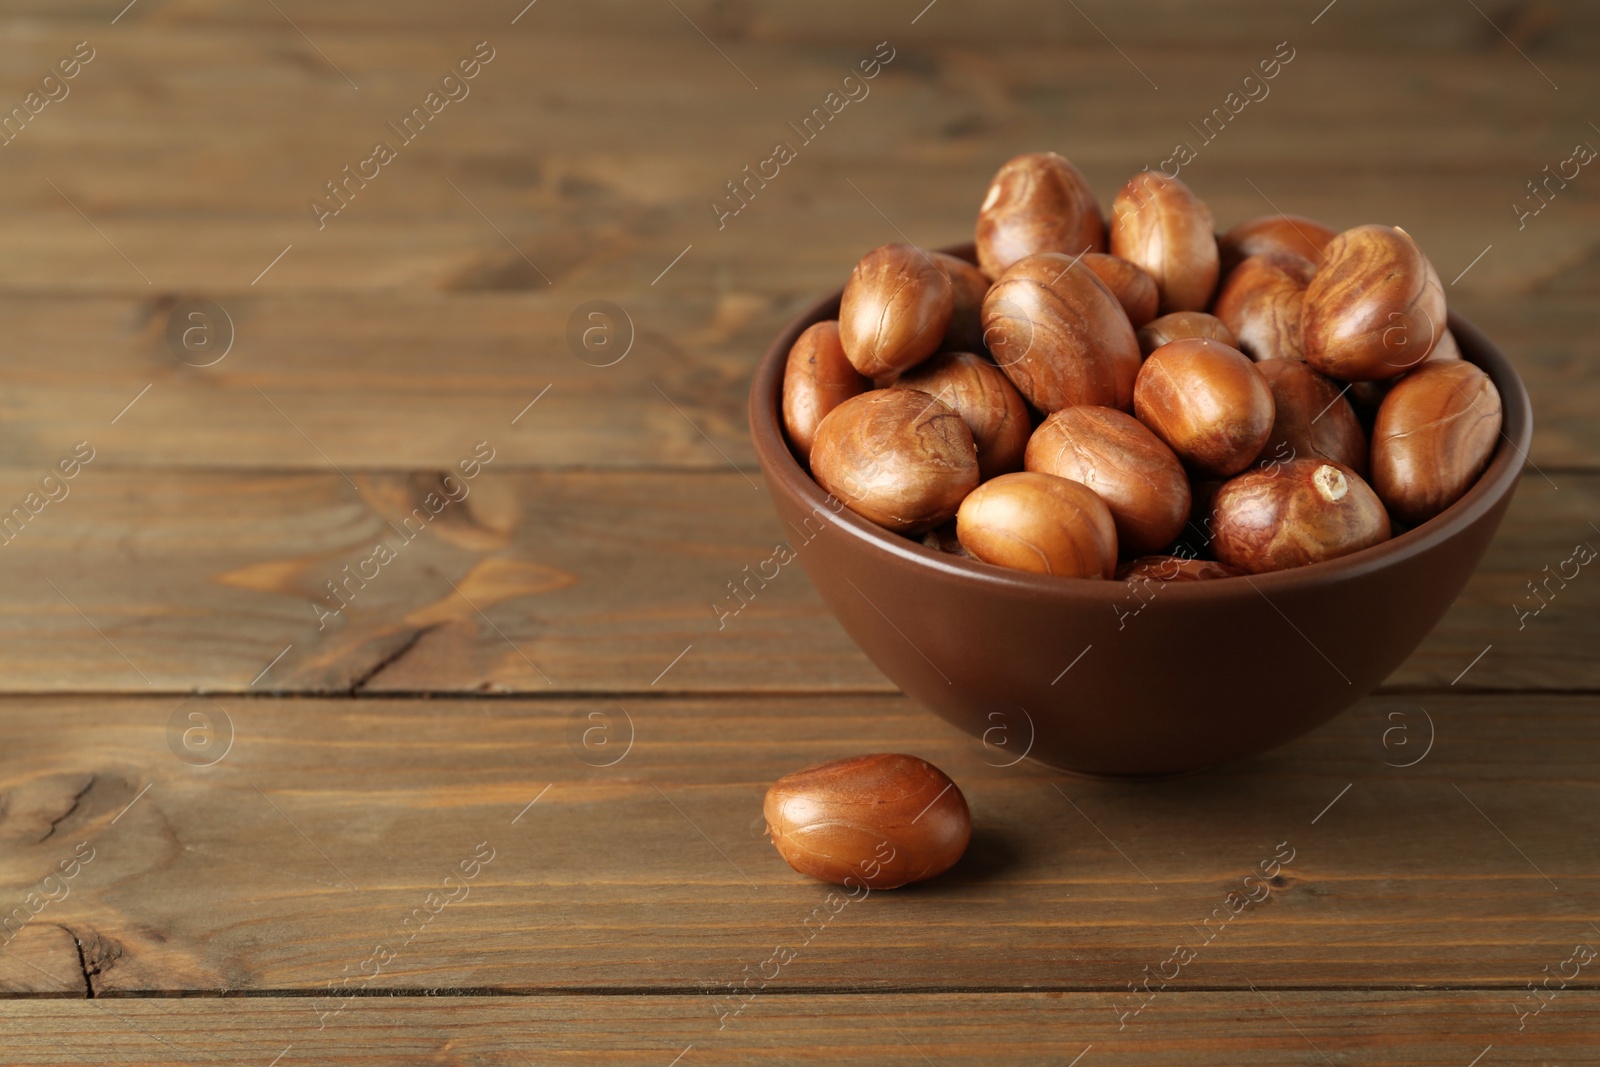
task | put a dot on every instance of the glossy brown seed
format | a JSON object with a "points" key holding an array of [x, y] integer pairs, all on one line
{"points": [[1208, 402], [1435, 433], [1040, 523], [1158, 223], [1038, 202], [880, 821], [1115, 455], [895, 310], [1131, 284], [817, 378], [898, 457], [1060, 335], [1375, 308], [968, 286], [985, 399], [1175, 569], [1295, 234], [1181, 324], [1312, 419], [1261, 301], [1305, 511]]}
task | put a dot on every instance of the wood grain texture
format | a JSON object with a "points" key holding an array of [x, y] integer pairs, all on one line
{"points": [[562, 582], [592, 194], [1541, 31], [1200, 1029], [574, 589], [286, 864], [387, 382]]}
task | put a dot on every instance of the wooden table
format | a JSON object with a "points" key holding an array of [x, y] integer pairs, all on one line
{"points": [[499, 801]]}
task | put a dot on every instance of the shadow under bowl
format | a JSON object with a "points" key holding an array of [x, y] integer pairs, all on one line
{"points": [[1090, 677]]}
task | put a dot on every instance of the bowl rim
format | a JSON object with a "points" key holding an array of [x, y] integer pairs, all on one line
{"points": [[1498, 479]]}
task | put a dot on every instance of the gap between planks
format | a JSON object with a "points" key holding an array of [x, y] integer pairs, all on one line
{"points": [[480, 992], [647, 694]]}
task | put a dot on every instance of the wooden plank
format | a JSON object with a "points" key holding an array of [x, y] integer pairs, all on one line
{"points": [[552, 171], [1194, 1029], [314, 381], [558, 582], [285, 863], [1166, 23], [1365, 24], [584, 582], [206, 200], [320, 379], [41, 955]]}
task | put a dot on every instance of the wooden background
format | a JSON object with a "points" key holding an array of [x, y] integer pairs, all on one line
{"points": [[1446, 831]]}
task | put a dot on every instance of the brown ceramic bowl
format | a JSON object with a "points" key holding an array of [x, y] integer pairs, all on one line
{"points": [[1204, 673]]}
